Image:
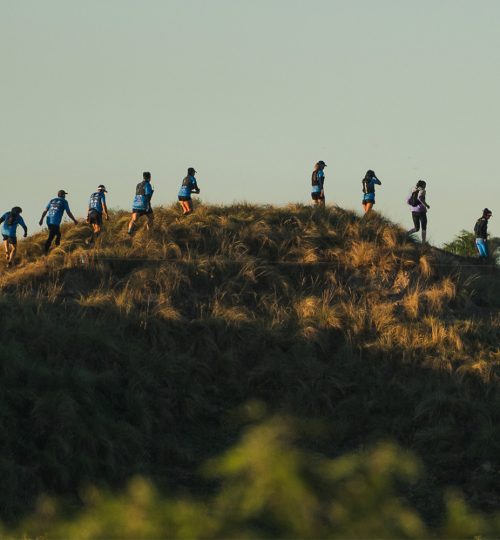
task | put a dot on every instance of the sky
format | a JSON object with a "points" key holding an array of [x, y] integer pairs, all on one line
{"points": [[252, 94]]}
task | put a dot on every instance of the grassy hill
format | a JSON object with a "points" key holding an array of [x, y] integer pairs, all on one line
{"points": [[136, 357]]}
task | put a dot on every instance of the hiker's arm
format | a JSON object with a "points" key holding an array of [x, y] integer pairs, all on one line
{"points": [[72, 217], [105, 210], [421, 198], [43, 215]]}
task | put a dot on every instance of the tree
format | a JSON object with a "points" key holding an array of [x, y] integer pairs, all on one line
{"points": [[464, 245]]}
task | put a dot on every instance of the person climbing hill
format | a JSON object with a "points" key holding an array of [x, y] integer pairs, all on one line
{"points": [[188, 186], [54, 211], [10, 221], [419, 209], [369, 182], [318, 184], [97, 208], [481, 234], [141, 205]]}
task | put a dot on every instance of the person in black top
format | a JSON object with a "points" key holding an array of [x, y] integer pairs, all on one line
{"points": [[481, 233]]}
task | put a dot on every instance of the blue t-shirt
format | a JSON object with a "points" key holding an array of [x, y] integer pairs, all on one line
{"points": [[148, 189], [188, 186], [10, 230], [318, 181], [96, 201], [55, 210], [142, 202]]}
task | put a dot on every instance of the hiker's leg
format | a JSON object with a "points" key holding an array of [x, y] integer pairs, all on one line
{"points": [[423, 221], [132, 222], [57, 235], [52, 233], [481, 248], [416, 223], [12, 254]]}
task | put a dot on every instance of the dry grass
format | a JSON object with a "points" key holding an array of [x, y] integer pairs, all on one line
{"points": [[152, 340]]}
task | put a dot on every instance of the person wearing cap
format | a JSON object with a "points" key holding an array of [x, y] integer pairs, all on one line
{"points": [[10, 221], [54, 211], [141, 205], [97, 207], [318, 181], [481, 234], [188, 186]]}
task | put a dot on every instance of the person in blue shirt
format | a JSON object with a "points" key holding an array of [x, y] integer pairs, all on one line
{"points": [[10, 221], [318, 181], [188, 186], [54, 211], [141, 205], [97, 208], [369, 182]]}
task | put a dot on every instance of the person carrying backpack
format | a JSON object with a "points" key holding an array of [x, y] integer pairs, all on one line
{"points": [[188, 186], [369, 182], [481, 234], [318, 183], [97, 207], [419, 209], [141, 206], [54, 211], [10, 221]]}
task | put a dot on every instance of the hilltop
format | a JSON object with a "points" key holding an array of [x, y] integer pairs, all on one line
{"points": [[134, 357]]}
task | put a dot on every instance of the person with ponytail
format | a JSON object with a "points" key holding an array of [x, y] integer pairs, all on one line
{"points": [[419, 208], [369, 182], [10, 221]]}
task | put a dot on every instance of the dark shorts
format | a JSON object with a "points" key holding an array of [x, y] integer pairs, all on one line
{"points": [[11, 239], [419, 220], [182, 198], [142, 212], [363, 202], [95, 217], [317, 197]]}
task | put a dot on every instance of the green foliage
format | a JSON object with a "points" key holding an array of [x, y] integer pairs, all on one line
{"points": [[269, 487], [129, 359], [464, 244]]}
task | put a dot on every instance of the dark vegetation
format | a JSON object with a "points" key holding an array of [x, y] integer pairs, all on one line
{"points": [[137, 357]]}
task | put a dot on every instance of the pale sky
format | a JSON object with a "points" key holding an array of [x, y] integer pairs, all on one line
{"points": [[252, 94]]}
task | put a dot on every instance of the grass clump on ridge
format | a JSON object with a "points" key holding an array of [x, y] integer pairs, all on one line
{"points": [[129, 358]]}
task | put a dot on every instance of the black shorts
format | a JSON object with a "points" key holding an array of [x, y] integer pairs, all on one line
{"points": [[10, 239], [317, 197], [142, 212], [95, 217], [183, 198], [419, 219]]}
